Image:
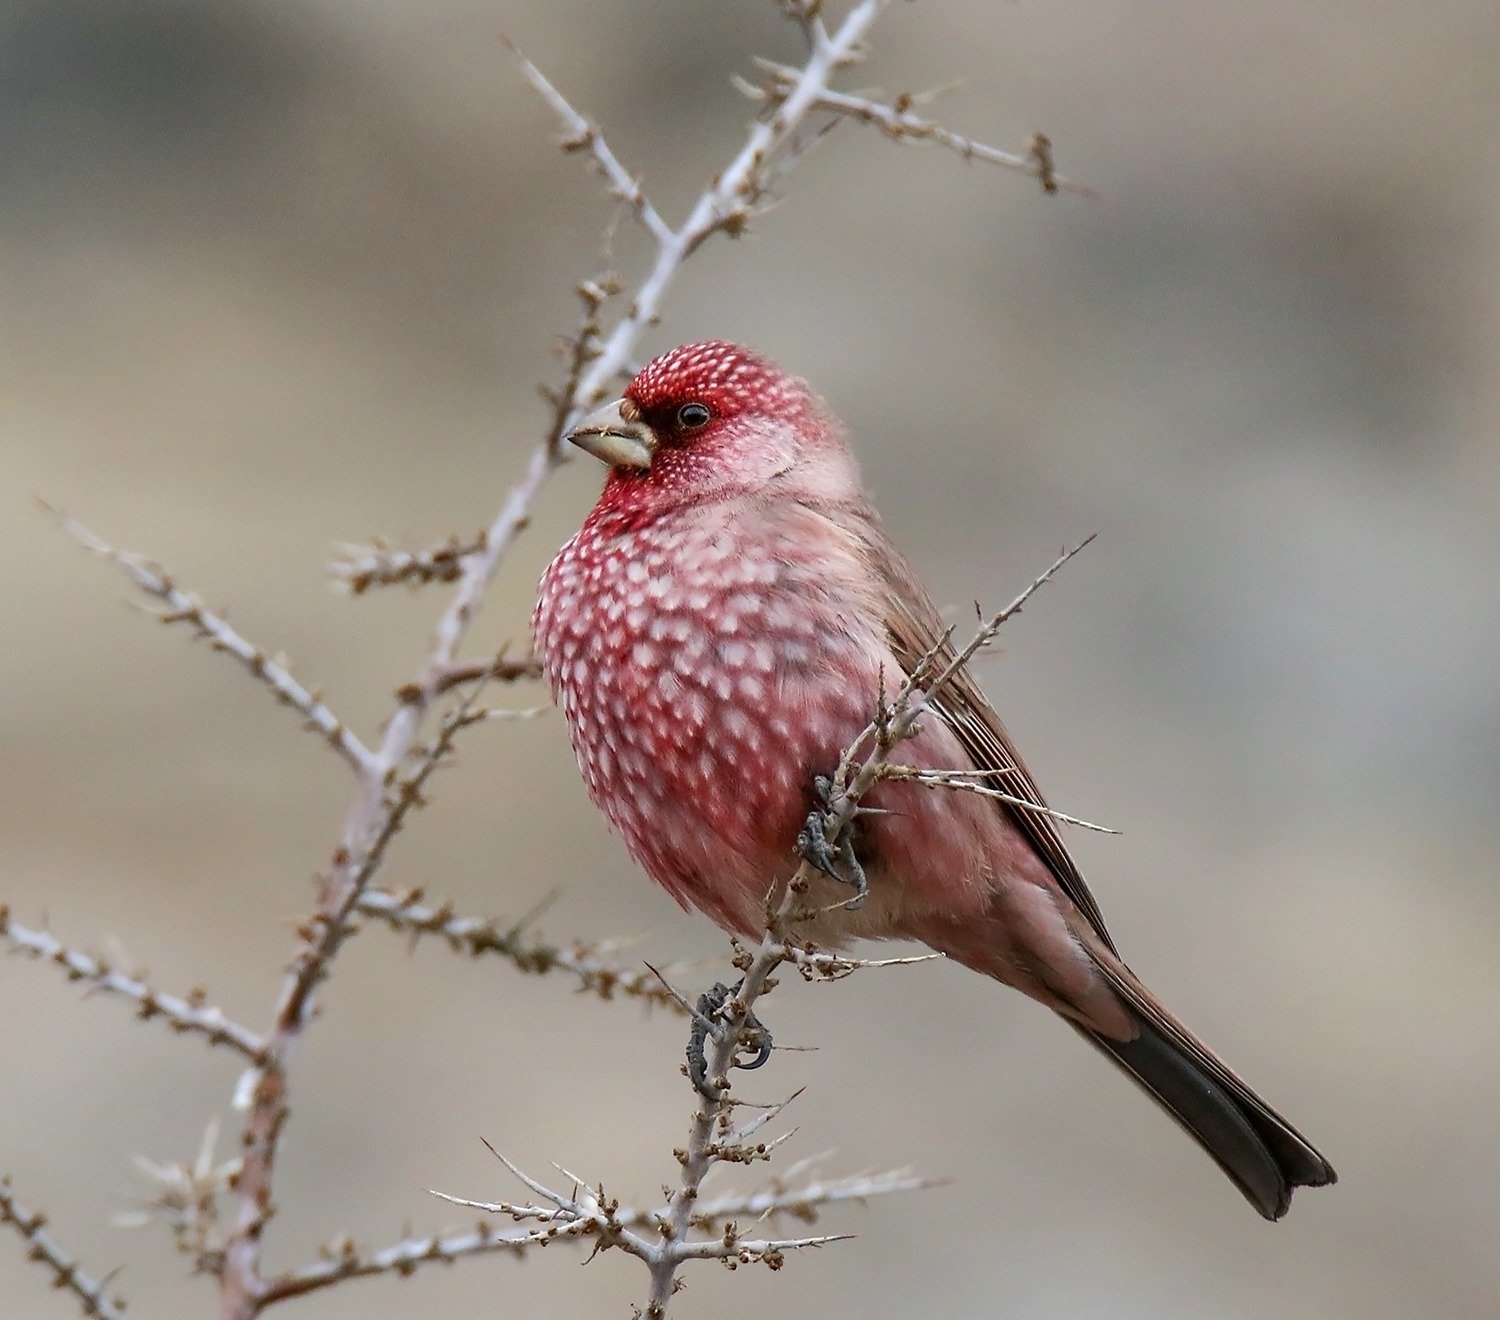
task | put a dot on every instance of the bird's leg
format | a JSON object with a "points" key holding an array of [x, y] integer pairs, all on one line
{"points": [[752, 1036], [836, 860]]}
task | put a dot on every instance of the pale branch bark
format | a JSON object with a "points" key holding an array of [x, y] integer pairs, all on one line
{"points": [[190, 1014], [807, 1201], [501, 669], [971, 781], [186, 1197], [711, 1133], [242, 1288], [42, 1247], [817, 964], [724, 206], [601, 1218], [589, 965], [866, 760], [181, 607], [360, 567], [898, 121], [584, 136], [345, 1259]]}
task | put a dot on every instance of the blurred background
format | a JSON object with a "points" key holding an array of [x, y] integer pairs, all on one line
{"points": [[277, 277]]}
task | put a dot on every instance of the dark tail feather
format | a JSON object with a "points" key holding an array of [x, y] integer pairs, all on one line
{"points": [[1262, 1154]]}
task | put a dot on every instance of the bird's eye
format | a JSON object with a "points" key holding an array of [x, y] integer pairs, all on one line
{"points": [[692, 415]]}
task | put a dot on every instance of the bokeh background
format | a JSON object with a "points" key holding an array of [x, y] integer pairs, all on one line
{"points": [[279, 276]]}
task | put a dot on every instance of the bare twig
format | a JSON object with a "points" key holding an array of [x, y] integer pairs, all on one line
{"points": [[807, 1201], [898, 121], [589, 965], [322, 934], [821, 965], [588, 1213], [190, 1014], [971, 781], [343, 1259], [702, 1152], [186, 1197], [501, 670], [43, 1248], [360, 567], [184, 608], [895, 720], [585, 136]]}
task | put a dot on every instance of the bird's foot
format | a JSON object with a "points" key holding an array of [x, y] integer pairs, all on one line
{"points": [[835, 860], [706, 1023]]}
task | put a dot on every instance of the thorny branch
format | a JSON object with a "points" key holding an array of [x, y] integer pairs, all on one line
{"points": [[596, 359], [972, 781], [583, 136], [898, 121], [345, 1259], [588, 1212], [501, 670], [360, 567], [184, 608], [322, 936], [392, 775], [186, 1197], [866, 761], [42, 1247], [190, 1014], [589, 964]]}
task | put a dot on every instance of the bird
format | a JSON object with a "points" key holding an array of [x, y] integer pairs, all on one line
{"points": [[718, 632]]}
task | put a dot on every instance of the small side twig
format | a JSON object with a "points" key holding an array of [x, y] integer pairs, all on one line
{"points": [[588, 964], [899, 122], [45, 1249], [866, 760], [972, 781], [501, 669], [323, 934], [360, 567], [586, 1212], [584, 136], [190, 1014], [184, 608], [344, 1259]]}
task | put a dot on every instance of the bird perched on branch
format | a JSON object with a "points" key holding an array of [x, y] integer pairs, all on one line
{"points": [[719, 631]]}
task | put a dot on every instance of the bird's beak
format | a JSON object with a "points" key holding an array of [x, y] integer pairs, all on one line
{"points": [[616, 434]]}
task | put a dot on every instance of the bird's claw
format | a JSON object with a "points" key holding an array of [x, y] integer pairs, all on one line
{"points": [[752, 1036], [835, 860]]}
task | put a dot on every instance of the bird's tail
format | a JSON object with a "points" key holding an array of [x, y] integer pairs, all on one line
{"points": [[1263, 1154]]}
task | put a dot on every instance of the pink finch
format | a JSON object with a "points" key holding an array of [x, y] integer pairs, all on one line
{"points": [[716, 635]]}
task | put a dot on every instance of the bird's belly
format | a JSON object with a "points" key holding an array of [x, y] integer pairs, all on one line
{"points": [[704, 688], [701, 749]]}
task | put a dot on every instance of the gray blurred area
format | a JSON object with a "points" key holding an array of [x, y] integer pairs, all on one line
{"points": [[280, 276]]}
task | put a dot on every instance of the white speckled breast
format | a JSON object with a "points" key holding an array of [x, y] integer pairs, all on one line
{"points": [[697, 662]]}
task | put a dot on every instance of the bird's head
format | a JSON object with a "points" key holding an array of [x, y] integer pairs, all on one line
{"points": [[709, 420]]}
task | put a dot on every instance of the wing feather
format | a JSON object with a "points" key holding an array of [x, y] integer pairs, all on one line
{"points": [[915, 627]]}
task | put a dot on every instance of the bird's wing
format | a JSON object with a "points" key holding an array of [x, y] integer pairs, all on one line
{"points": [[914, 628]]}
